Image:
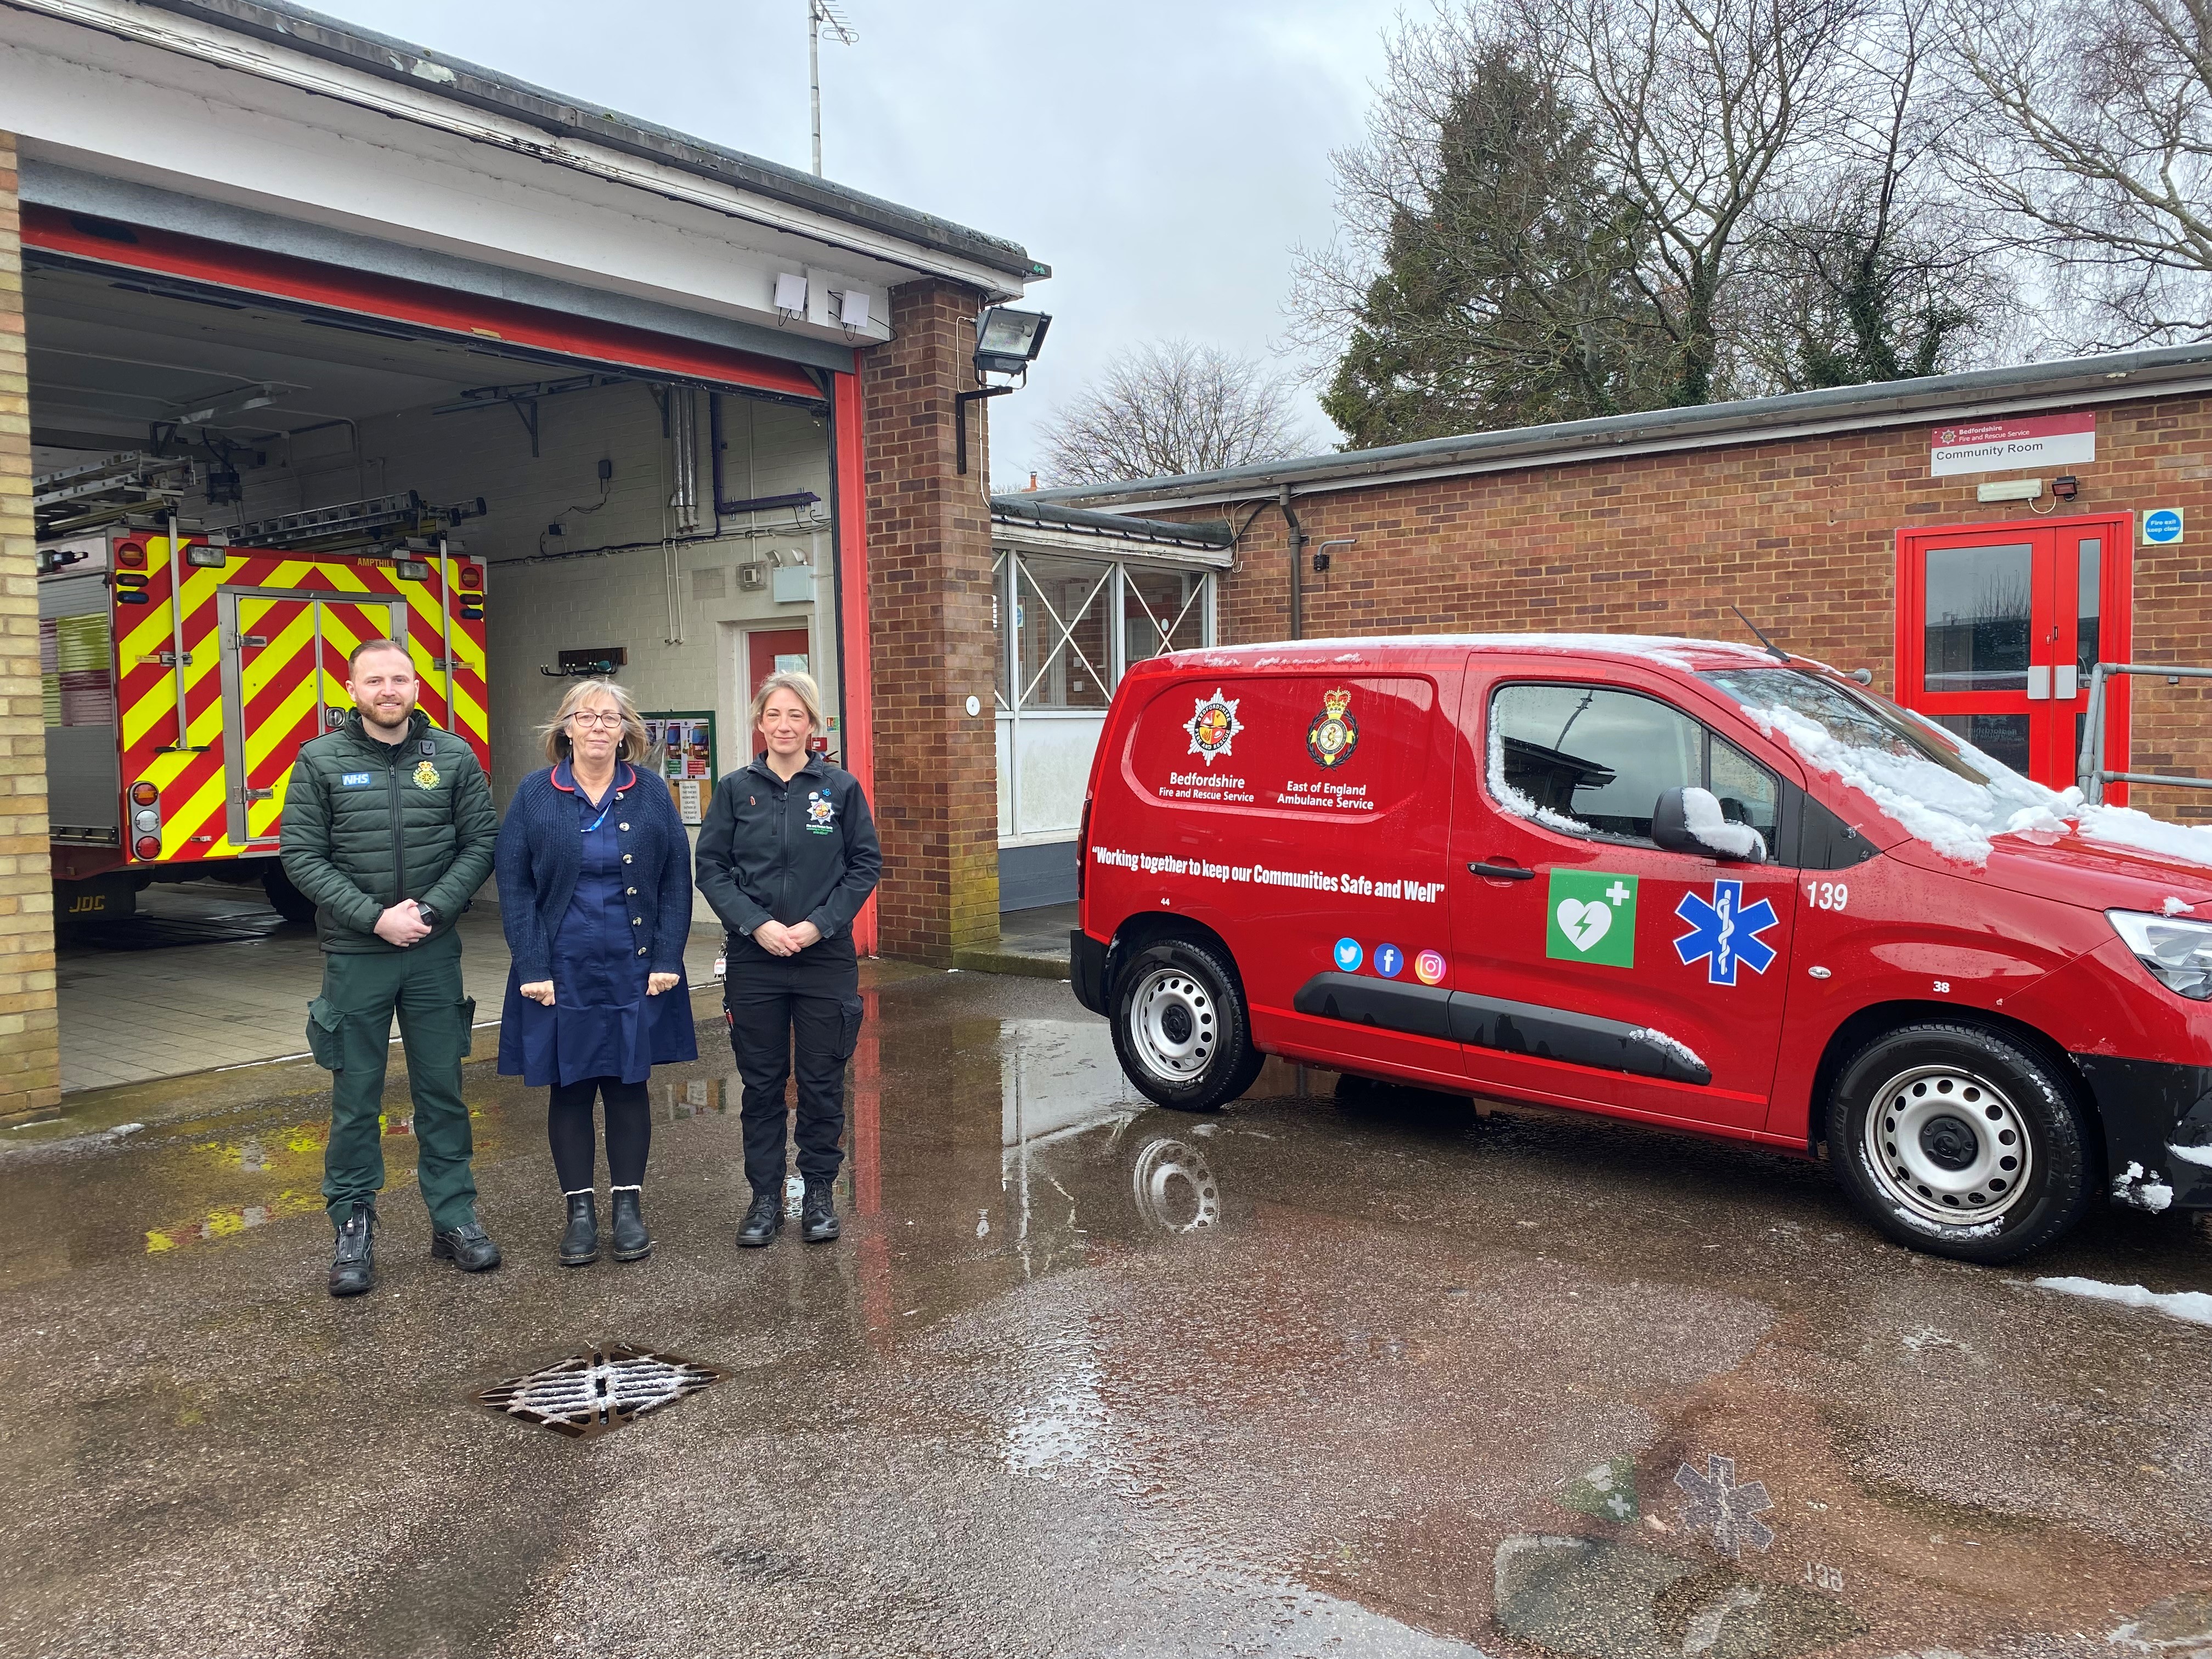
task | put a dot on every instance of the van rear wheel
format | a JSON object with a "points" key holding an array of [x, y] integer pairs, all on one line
{"points": [[1960, 1142], [1179, 1027]]}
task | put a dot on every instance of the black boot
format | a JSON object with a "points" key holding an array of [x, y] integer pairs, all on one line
{"points": [[580, 1244], [353, 1264], [818, 1220], [762, 1221], [632, 1242], [468, 1247]]}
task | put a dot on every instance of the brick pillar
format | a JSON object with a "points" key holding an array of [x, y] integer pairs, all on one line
{"points": [[929, 588], [30, 1054]]}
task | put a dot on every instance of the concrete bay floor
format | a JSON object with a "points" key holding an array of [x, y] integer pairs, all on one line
{"points": [[1376, 1377]]}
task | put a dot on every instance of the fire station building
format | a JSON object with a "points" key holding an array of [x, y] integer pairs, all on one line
{"points": [[1980, 542], [544, 390]]}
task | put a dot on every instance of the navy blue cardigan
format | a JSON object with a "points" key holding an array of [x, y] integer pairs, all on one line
{"points": [[540, 856]]}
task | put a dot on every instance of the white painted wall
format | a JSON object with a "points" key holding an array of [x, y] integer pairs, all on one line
{"points": [[535, 611]]}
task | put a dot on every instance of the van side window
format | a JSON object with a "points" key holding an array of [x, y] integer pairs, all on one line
{"points": [[1587, 759]]}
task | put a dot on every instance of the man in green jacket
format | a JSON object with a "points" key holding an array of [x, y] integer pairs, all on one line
{"points": [[389, 828]]}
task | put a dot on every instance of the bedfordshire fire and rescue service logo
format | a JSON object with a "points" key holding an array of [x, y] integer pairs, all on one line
{"points": [[1213, 726], [426, 775], [821, 813], [1334, 734]]}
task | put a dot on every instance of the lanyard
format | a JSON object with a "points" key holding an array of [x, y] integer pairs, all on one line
{"points": [[604, 811]]}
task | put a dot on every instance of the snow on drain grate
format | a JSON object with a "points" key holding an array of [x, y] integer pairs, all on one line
{"points": [[593, 1393]]}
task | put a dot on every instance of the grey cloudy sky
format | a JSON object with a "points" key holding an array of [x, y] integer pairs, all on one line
{"points": [[1161, 155]]}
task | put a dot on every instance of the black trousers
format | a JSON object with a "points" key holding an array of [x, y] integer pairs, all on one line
{"points": [[792, 1014], [630, 1131]]}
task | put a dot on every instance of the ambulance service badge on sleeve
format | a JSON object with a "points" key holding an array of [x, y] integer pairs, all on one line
{"points": [[1213, 726], [1334, 734]]}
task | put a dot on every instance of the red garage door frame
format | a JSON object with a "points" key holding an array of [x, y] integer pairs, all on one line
{"points": [[421, 305]]}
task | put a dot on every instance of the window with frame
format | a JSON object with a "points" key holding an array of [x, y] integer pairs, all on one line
{"points": [[1595, 761]]}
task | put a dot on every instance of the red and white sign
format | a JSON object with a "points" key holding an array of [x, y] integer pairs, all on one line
{"points": [[2012, 443]]}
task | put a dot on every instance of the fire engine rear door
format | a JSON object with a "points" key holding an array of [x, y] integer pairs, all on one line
{"points": [[283, 680]]}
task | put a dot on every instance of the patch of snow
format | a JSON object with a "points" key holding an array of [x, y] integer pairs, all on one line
{"points": [[1669, 649], [1701, 811], [1952, 814], [2123, 826], [123, 1129], [1943, 1230], [2195, 1306], [1517, 804], [2174, 907], [2201, 1154], [2142, 1188], [1674, 1046]]}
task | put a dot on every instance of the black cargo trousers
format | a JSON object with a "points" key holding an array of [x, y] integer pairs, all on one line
{"points": [[792, 1014]]}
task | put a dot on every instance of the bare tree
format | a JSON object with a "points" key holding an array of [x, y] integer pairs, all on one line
{"points": [[1870, 266], [1698, 108], [1169, 407], [2089, 127]]}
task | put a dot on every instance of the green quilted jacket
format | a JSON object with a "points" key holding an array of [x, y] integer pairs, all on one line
{"points": [[367, 825]]}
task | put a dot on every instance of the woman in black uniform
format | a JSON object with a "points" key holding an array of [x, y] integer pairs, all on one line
{"points": [[787, 856]]}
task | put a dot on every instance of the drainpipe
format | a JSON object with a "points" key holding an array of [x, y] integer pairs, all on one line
{"points": [[1298, 567]]}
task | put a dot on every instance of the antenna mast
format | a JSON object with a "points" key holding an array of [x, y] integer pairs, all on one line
{"points": [[819, 12]]}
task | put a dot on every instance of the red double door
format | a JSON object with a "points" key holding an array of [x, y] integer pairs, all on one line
{"points": [[1999, 626]]}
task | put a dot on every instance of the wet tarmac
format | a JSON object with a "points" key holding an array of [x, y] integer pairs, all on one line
{"points": [[1367, 1374]]}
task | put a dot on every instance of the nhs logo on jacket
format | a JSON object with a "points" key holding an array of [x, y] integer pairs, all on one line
{"points": [[357, 780]]}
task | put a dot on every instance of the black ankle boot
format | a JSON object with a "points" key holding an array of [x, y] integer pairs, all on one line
{"points": [[580, 1244], [353, 1263], [632, 1242], [762, 1221], [818, 1220]]}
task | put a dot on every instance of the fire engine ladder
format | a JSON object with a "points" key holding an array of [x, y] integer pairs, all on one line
{"points": [[2092, 774]]}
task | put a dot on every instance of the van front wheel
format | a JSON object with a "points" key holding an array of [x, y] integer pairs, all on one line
{"points": [[1179, 1027], [1959, 1141]]}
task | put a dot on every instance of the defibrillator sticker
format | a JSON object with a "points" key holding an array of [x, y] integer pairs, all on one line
{"points": [[426, 776], [351, 780], [1592, 918], [821, 813]]}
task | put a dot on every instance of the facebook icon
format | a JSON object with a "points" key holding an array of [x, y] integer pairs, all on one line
{"points": [[1389, 961]]}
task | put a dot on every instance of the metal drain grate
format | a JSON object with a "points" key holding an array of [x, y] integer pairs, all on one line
{"points": [[593, 1393]]}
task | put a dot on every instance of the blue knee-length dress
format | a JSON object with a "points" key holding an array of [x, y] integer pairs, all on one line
{"points": [[602, 1024]]}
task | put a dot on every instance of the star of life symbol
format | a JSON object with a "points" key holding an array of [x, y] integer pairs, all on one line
{"points": [[1213, 726], [1730, 1512], [1725, 932]]}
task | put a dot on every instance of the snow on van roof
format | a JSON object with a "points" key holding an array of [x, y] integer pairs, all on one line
{"points": [[1672, 651]]}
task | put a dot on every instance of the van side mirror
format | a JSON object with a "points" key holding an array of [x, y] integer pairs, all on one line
{"points": [[1691, 821]]}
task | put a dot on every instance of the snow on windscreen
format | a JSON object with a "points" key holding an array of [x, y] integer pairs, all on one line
{"points": [[1939, 790]]}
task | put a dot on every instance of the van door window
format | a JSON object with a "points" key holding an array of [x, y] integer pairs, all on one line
{"points": [[1588, 760]]}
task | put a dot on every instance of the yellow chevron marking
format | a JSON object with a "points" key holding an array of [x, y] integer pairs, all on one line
{"points": [[202, 814]]}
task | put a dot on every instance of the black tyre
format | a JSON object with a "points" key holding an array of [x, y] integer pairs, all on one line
{"points": [[285, 900], [1960, 1142], [1179, 1027]]}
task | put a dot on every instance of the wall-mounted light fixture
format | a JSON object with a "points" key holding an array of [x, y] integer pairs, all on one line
{"points": [[1006, 343]]}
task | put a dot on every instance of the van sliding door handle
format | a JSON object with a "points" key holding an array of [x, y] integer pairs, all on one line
{"points": [[1497, 870]]}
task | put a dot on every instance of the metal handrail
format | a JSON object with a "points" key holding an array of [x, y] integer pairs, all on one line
{"points": [[2091, 772]]}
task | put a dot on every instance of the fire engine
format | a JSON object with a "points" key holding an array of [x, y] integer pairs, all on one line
{"points": [[254, 657]]}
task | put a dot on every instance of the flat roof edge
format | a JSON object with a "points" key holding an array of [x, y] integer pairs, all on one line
{"points": [[334, 40], [1749, 420]]}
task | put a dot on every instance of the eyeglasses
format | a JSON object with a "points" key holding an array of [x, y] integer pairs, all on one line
{"points": [[596, 717]]}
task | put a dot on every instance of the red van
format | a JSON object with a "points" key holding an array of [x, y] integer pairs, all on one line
{"points": [[1692, 884]]}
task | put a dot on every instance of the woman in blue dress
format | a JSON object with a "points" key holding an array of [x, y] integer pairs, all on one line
{"points": [[595, 893]]}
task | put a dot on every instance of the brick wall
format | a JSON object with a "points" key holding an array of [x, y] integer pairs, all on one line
{"points": [[30, 1060], [929, 578], [1801, 534]]}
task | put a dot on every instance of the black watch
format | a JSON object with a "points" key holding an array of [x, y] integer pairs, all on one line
{"points": [[428, 915]]}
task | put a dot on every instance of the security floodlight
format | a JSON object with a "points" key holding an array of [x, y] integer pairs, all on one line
{"points": [[1007, 342]]}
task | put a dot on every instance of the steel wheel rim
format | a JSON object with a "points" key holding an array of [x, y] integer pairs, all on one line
{"points": [[1173, 1026], [1947, 1146], [1161, 1168]]}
